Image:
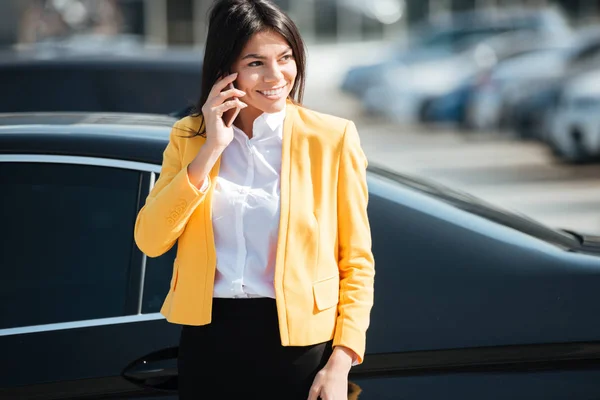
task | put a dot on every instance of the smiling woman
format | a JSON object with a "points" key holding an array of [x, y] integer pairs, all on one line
{"points": [[267, 202], [251, 44], [266, 72]]}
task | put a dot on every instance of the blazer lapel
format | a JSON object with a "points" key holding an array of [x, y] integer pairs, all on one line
{"points": [[284, 184]]}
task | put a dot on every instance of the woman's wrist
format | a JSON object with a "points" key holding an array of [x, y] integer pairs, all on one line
{"points": [[204, 161], [341, 358], [213, 146]]}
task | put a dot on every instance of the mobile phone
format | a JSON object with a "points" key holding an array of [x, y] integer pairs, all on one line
{"points": [[230, 115]]}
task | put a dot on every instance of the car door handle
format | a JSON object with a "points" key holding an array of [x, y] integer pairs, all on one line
{"points": [[157, 370]]}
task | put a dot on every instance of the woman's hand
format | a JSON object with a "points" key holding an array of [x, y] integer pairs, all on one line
{"points": [[331, 383], [218, 133]]}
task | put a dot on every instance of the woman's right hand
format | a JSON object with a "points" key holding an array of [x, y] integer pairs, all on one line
{"points": [[218, 134]]}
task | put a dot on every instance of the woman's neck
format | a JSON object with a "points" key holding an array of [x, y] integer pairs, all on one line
{"points": [[245, 119]]}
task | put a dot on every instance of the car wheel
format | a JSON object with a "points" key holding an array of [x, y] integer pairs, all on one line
{"points": [[575, 152], [522, 128]]}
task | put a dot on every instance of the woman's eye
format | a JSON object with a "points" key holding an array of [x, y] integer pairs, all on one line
{"points": [[254, 64], [288, 57]]}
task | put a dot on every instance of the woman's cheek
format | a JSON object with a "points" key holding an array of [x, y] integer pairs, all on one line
{"points": [[245, 83]]}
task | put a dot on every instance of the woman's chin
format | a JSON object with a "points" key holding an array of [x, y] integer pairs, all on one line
{"points": [[267, 106], [275, 106]]}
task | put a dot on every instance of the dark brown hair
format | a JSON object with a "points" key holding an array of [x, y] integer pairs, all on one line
{"points": [[231, 25]]}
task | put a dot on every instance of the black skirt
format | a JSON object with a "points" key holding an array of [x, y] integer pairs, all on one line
{"points": [[239, 355]]}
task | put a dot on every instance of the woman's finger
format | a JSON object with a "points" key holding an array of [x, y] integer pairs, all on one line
{"points": [[313, 393], [221, 97], [221, 84], [228, 105]]}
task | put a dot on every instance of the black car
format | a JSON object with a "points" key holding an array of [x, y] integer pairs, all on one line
{"points": [[133, 80], [471, 301]]}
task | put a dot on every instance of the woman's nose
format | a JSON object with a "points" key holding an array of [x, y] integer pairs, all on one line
{"points": [[274, 73]]}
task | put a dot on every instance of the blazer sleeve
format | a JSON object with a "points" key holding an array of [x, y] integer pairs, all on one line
{"points": [[170, 203], [356, 263]]}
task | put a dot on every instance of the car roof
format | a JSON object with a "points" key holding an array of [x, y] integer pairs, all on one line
{"points": [[143, 138], [127, 136], [48, 120], [61, 57]]}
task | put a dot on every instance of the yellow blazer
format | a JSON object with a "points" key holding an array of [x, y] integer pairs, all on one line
{"points": [[324, 271]]}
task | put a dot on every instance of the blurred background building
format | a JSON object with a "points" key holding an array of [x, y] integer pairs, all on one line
{"points": [[183, 22]]}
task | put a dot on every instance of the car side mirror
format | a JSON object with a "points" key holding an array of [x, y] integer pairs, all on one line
{"points": [[157, 370]]}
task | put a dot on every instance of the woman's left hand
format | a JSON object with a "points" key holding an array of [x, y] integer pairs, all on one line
{"points": [[331, 383]]}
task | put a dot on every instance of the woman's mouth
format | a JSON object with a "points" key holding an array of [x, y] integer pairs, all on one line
{"points": [[273, 93]]}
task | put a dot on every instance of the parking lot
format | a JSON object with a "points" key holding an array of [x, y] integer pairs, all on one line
{"points": [[513, 174], [516, 175]]}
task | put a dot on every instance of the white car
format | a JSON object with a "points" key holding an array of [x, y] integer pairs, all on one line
{"points": [[487, 105], [401, 93], [574, 132], [499, 90]]}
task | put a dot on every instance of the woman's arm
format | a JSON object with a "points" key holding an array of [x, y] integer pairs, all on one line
{"points": [[355, 262], [357, 273], [174, 197]]}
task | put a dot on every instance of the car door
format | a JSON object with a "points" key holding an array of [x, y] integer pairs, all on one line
{"points": [[79, 301], [469, 308], [465, 307]]}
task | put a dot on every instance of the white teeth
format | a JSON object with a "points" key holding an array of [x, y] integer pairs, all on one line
{"points": [[272, 92]]}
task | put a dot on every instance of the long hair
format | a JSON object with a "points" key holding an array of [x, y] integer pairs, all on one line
{"points": [[232, 23]]}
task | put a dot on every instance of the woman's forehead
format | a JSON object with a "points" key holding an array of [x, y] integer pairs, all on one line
{"points": [[265, 42]]}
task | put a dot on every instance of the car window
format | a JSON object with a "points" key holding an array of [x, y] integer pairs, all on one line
{"points": [[477, 206], [157, 279], [67, 238], [585, 53]]}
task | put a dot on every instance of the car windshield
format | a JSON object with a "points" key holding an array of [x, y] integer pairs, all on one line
{"points": [[479, 207]]}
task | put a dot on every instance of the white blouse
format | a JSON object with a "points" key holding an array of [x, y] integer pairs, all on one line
{"points": [[246, 208]]}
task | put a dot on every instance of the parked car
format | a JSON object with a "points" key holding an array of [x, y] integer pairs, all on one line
{"points": [[479, 101], [405, 93], [488, 107], [471, 301], [574, 126], [433, 43], [533, 103], [448, 35], [56, 77]]}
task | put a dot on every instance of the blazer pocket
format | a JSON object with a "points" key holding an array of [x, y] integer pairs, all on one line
{"points": [[326, 293]]}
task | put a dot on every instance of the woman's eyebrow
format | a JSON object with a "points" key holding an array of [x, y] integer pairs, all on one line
{"points": [[254, 55]]}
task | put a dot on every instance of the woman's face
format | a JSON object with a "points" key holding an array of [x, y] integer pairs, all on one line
{"points": [[266, 72]]}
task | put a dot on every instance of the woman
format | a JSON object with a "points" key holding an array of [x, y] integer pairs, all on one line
{"points": [[273, 279]]}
